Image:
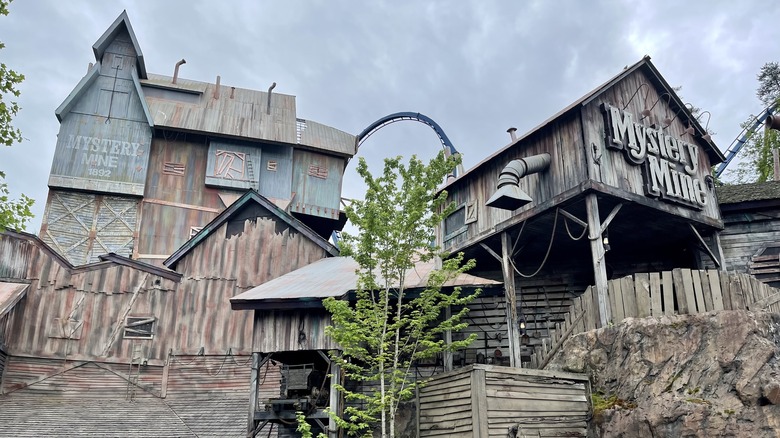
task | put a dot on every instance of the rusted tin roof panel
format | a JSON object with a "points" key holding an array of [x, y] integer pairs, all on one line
{"points": [[10, 294], [335, 277], [324, 137]]}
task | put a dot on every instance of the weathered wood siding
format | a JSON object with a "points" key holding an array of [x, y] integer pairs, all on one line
{"points": [[485, 400], [750, 243], [291, 330], [561, 139], [678, 291], [35, 375], [225, 265], [192, 375], [611, 168], [447, 405]]}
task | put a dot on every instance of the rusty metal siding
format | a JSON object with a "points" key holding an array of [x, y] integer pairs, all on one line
{"points": [[176, 198], [46, 376], [286, 330], [190, 375], [324, 137], [231, 112], [276, 172], [83, 226], [15, 257], [265, 249], [233, 166], [317, 184]]}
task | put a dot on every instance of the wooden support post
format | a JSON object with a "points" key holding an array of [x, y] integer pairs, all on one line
{"points": [[335, 399], [704, 246], [597, 254], [513, 330], [719, 249], [448, 340], [253, 393]]}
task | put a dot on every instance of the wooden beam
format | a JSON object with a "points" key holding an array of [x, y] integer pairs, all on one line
{"points": [[253, 394], [704, 245], [491, 252], [597, 258], [609, 218], [719, 247], [513, 329], [573, 218], [335, 399]]}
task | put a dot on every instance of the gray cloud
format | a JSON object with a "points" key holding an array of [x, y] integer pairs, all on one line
{"points": [[476, 67]]}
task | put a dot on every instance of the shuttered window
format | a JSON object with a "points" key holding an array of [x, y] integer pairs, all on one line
{"points": [[139, 327]]}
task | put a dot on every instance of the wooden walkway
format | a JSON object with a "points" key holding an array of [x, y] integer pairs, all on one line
{"points": [[680, 291]]}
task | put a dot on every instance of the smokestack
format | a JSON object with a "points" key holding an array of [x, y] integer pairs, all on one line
{"points": [[176, 70], [512, 133], [216, 89], [270, 89]]}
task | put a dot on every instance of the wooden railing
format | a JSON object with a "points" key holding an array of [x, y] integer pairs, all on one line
{"points": [[680, 291]]}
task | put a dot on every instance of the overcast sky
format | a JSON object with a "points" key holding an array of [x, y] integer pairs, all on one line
{"points": [[475, 67]]}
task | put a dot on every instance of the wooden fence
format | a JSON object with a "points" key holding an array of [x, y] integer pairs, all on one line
{"points": [[486, 400], [680, 291]]}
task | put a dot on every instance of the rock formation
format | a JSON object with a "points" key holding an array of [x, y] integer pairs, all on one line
{"points": [[704, 375]]}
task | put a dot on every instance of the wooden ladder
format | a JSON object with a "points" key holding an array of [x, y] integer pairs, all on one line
{"points": [[134, 376]]}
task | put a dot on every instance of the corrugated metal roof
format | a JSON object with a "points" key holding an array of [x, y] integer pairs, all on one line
{"points": [[239, 113], [335, 277], [10, 294]]}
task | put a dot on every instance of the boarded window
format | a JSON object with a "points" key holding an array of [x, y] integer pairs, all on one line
{"points": [[318, 171], [455, 223], [173, 169], [139, 327]]}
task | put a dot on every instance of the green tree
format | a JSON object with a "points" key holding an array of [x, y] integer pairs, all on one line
{"points": [[386, 330], [757, 163], [13, 213]]}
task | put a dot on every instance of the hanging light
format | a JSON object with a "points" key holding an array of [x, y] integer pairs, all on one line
{"points": [[636, 91], [707, 137], [648, 111]]}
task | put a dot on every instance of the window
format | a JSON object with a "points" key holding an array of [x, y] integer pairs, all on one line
{"points": [[455, 223], [139, 327]]}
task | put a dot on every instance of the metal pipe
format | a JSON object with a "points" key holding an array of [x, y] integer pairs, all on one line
{"points": [[232, 91], [216, 89], [270, 89], [512, 133], [521, 167], [176, 70]]}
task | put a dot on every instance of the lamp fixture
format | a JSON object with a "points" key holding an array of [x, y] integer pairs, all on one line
{"points": [[707, 137], [648, 111], [636, 91]]}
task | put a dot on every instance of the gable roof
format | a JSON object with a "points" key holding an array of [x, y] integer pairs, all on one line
{"points": [[716, 156], [106, 260], [122, 23], [10, 294], [250, 196], [333, 277]]}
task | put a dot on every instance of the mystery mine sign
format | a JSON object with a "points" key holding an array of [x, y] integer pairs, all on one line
{"points": [[670, 164]]}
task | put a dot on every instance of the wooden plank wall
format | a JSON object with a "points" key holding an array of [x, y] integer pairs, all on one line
{"points": [[486, 400], [208, 376], [446, 405], [611, 167], [679, 291], [744, 239], [42, 376], [561, 139], [291, 330]]}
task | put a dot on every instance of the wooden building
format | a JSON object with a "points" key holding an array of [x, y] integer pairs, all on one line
{"points": [[614, 184], [167, 198], [751, 238], [143, 161], [289, 322]]}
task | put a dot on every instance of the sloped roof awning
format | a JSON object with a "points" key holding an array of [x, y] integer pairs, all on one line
{"points": [[332, 277], [10, 294]]}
